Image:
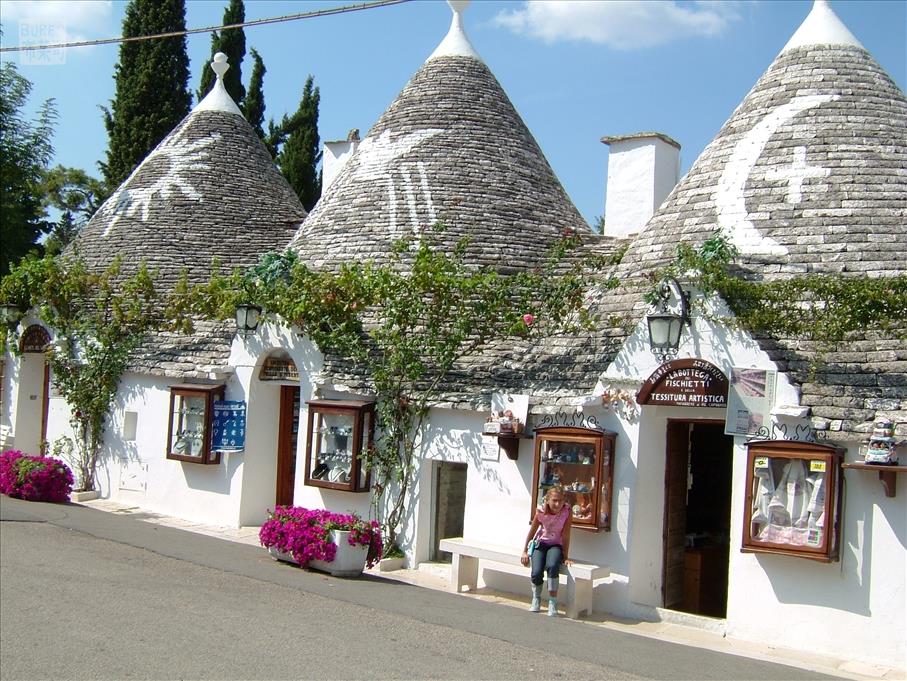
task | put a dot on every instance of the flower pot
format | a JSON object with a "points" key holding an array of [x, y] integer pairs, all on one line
{"points": [[277, 554], [84, 496], [349, 561]]}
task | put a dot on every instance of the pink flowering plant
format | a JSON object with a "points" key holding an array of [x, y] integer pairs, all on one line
{"points": [[34, 478], [306, 533]]}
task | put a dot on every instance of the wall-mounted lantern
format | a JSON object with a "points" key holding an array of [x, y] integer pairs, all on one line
{"points": [[9, 315], [247, 316], [666, 327]]}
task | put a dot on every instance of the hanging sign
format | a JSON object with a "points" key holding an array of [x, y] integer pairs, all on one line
{"points": [[228, 433], [34, 339], [688, 382], [750, 401], [278, 368]]}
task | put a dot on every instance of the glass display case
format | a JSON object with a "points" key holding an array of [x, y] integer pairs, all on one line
{"points": [[189, 432], [581, 461], [340, 434], [792, 499]]}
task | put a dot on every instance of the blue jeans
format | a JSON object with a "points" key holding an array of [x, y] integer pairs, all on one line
{"points": [[546, 559]]}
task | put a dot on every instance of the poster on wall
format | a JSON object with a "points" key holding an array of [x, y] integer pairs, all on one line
{"points": [[750, 400], [228, 432]]}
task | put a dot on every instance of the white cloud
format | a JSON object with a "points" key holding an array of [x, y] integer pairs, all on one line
{"points": [[621, 24], [69, 20]]}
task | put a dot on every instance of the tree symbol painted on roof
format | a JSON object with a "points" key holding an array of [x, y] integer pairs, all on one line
{"points": [[733, 217], [179, 159], [377, 159]]}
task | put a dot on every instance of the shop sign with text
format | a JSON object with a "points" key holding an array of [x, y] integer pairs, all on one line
{"points": [[688, 382]]}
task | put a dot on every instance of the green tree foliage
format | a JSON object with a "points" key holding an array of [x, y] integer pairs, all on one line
{"points": [[98, 320], [407, 324], [253, 106], [300, 147], [76, 195], [25, 152], [232, 42], [152, 94]]}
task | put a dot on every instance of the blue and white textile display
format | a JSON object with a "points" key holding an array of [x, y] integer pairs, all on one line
{"points": [[229, 431]]}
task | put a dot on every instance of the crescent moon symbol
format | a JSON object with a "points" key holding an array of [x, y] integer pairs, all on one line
{"points": [[729, 200]]}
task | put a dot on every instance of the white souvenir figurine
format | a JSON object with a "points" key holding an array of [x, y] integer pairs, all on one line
{"points": [[882, 447]]}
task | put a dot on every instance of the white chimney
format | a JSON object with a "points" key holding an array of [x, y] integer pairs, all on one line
{"points": [[335, 155], [642, 170]]}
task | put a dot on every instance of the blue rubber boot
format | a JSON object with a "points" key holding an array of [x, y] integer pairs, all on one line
{"points": [[536, 604]]}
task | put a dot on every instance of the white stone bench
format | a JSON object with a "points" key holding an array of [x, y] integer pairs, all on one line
{"points": [[465, 570]]}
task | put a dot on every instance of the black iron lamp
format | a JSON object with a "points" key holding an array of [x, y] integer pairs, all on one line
{"points": [[9, 315], [665, 327], [247, 316]]}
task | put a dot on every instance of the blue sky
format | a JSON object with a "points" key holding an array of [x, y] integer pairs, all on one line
{"points": [[575, 71]]}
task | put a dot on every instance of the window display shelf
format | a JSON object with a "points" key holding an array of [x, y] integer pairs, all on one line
{"points": [[887, 474], [581, 461], [190, 424], [793, 499], [340, 435]]}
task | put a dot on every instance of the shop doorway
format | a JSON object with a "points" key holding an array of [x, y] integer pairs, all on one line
{"points": [[449, 505], [32, 401], [698, 478], [287, 439]]}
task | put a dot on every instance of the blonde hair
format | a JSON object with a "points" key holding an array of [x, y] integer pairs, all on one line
{"points": [[554, 488]]}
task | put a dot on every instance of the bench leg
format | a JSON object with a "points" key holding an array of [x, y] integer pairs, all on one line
{"points": [[464, 572], [579, 596]]}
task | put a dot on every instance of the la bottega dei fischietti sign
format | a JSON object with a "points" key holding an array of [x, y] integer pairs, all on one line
{"points": [[688, 382]]}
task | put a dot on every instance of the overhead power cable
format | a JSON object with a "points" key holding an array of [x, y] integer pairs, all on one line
{"points": [[173, 34]]}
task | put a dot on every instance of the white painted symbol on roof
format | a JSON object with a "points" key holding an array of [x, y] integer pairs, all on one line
{"points": [[730, 202], [796, 173], [182, 158], [375, 160], [376, 154]]}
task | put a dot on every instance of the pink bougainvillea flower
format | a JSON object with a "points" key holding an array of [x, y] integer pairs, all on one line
{"points": [[529, 319]]}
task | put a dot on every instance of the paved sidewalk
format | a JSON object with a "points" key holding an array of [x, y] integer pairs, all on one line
{"points": [[437, 576]]}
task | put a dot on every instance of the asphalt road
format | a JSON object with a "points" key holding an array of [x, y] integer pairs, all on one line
{"points": [[86, 594]]}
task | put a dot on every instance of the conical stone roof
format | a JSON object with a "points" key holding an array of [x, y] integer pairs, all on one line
{"points": [[807, 176], [452, 149], [209, 191]]}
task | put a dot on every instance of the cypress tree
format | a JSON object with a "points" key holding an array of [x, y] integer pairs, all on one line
{"points": [[300, 153], [253, 106], [152, 94], [232, 42]]}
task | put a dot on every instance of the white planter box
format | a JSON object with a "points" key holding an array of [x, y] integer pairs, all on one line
{"points": [[349, 561]]}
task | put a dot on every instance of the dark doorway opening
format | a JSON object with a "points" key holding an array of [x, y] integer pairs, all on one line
{"points": [[698, 479], [287, 439], [449, 505]]}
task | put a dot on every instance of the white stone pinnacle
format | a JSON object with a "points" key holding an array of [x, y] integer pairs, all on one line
{"points": [[219, 99], [455, 43], [821, 27]]}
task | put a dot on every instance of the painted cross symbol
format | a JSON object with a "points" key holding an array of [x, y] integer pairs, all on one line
{"points": [[795, 174]]}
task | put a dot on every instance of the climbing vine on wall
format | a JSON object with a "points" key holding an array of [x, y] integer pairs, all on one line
{"points": [[97, 318], [405, 325], [826, 308]]}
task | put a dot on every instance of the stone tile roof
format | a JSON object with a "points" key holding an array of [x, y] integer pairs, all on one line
{"points": [[807, 176], [209, 191], [450, 148]]}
